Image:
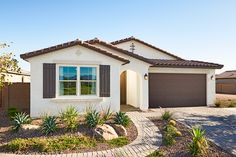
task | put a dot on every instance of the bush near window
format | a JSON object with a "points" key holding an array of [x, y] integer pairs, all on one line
{"points": [[93, 118], [199, 145], [122, 119], [49, 124], [70, 118], [106, 114], [120, 141], [232, 104], [58, 144], [11, 112], [167, 115], [19, 119]]}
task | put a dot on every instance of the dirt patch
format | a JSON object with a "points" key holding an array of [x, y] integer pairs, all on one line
{"points": [[180, 148]]}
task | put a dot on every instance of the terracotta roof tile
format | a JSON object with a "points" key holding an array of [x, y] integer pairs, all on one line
{"points": [[70, 44], [185, 64], [96, 40], [227, 75], [147, 44]]}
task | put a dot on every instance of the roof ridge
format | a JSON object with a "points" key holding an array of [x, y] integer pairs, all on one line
{"points": [[145, 43], [121, 50], [70, 44]]}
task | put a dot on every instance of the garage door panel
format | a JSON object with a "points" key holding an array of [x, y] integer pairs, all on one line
{"points": [[177, 90]]}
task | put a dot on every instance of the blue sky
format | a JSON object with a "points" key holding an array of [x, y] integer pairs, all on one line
{"points": [[192, 29]]}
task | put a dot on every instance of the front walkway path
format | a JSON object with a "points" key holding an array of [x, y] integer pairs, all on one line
{"points": [[148, 140]]}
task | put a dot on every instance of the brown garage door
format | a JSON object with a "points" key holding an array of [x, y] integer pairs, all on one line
{"points": [[177, 90]]}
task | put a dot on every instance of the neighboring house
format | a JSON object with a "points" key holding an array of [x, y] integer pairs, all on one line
{"points": [[226, 82], [22, 76], [128, 71]]}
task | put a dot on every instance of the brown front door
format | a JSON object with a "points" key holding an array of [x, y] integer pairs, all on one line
{"points": [[123, 88], [177, 90]]}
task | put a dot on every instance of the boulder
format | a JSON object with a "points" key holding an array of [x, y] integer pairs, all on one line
{"points": [[120, 129], [29, 127], [106, 132]]}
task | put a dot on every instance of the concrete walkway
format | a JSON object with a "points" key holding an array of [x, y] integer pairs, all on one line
{"points": [[218, 123], [149, 139]]}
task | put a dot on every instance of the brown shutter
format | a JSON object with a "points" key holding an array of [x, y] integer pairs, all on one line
{"points": [[49, 80], [104, 80]]}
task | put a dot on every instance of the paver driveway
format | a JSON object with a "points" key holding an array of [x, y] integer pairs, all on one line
{"points": [[219, 123]]}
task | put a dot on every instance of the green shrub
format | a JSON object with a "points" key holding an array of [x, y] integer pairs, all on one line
{"points": [[92, 118], [167, 115], [58, 144], [67, 142], [170, 133], [19, 119], [122, 119], [218, 103], [107, 114], [11, 112], [70, 118], [119, 142], [18, 144], [49, 124], [156, 154], [232, 104], [199, 145]]}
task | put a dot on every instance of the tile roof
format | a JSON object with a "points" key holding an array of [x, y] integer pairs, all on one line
{"points": [[227, 75], [185, 64], [147, 44], [70, 44], [96, 40]]}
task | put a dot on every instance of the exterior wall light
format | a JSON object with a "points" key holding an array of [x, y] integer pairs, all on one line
{"points": [[145, 76]]}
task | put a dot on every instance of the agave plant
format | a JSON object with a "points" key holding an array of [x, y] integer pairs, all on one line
{"points": [[92, 118], [199, 145], [107, 114], [122, 119], [19, 119], [49, 124]]}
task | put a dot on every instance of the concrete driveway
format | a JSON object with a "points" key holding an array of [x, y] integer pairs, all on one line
{"points": [[218, 123]]}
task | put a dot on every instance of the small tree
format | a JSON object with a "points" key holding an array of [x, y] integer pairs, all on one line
{"points": [[7, 64]]}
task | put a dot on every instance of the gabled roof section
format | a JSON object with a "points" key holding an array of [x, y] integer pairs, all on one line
{"points": [[185, 64], [227, 75], [70, 44], [96, 40], [147, 44]]}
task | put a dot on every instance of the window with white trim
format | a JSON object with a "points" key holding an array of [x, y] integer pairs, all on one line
{"points": [[67, 80], [88, 80], [70, 84]]}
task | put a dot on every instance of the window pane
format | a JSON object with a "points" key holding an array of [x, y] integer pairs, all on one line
{"points": [[88, 73], [67, 73], [67, 88], [88, 88]]}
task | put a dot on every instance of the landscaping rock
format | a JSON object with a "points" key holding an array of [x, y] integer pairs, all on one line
{"points": [[120, 129], [29, 127], [106, 132]]}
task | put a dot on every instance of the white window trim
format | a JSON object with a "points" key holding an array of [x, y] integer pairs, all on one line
{"points": [[77, 96]]}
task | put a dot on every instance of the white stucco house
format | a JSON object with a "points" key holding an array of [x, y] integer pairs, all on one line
{"points": [[130, 71]]}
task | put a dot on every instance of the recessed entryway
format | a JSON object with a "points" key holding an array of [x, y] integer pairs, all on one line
{"points": [[130, 89]]}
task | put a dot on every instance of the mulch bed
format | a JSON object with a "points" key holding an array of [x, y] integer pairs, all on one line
{"points": [[7, 135], [180, 148]]}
